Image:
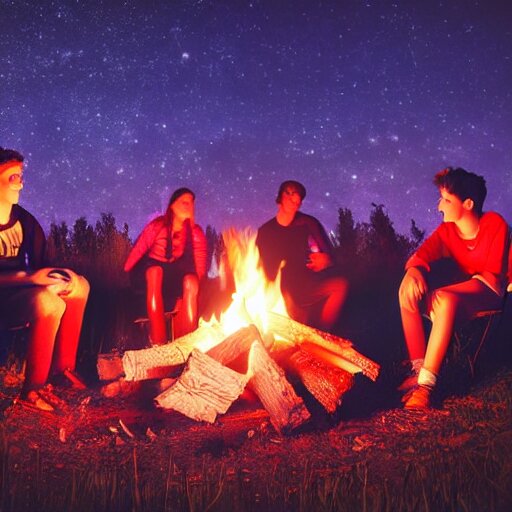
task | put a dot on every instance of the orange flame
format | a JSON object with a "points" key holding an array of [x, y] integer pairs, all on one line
{"points": [[254, 295]]}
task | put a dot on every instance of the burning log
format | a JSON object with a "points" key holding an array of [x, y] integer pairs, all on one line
{"points": [[286, 410], [235, 345], [205, 388], [326, 383], [157, 362], [348, 358]]}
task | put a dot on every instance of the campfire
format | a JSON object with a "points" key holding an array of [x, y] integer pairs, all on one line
{"points": [[253, 344]]}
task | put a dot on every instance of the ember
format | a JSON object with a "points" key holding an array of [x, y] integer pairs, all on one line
{"points": [[242, 348]]}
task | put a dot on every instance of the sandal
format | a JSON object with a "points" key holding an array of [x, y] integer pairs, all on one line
{"points": [[33, 400], [51, 398]]}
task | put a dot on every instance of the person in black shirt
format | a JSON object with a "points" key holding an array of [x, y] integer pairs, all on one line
{"points": [[313, 290], [50, 301]]}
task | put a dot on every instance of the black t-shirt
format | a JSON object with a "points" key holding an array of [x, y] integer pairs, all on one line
{"points": [[22, 242], [292, 244]]}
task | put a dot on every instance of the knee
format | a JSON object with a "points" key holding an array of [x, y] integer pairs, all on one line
{"points": [[341, 284], [154, 273], [407, 299], [443, 299], [190, 285], [46, 304], [337, 286], [82, 288]]}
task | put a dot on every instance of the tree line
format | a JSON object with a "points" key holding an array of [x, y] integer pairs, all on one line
{"points": [[367, 250]]}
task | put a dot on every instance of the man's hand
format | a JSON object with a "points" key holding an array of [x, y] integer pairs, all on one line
{"points": [[412, 289], [61, 282], [318, 261], [41, 277]]}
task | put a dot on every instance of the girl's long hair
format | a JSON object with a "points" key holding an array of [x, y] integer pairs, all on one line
{"points": [[187, 225]]}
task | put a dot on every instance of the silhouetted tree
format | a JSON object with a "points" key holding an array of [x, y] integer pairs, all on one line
{"points": [[58, 243], [345, 236], [83, 239], [105, 230]]}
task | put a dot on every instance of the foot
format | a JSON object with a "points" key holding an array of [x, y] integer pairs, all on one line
{"points": [[34, 400], [419, 398], [50, 397]]}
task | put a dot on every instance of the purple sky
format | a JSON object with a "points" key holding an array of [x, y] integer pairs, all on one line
{"points": [[114, 107]]}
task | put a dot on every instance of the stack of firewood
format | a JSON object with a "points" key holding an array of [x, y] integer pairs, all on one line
{"points": [[213, 370]]}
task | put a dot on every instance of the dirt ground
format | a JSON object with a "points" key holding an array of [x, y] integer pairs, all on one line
{"points": [[124, 454]]}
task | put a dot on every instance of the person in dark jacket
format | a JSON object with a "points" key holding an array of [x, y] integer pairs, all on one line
{"points": [[297, 243], [50, 301]]}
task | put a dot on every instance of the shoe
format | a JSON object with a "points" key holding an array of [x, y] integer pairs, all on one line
{"points": [[409, 382], [68, 378], [33, 400], [419, 398], [50, 397]]}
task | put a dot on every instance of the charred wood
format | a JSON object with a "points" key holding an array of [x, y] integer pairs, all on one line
{"points": [[325, 382], [349, 358], [286, 410]]}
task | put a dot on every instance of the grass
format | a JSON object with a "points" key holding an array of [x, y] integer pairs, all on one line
{"points": [[457, 459]]}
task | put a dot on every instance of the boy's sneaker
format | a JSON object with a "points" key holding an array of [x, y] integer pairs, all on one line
{"points": [[409, 382], [419, 398]]}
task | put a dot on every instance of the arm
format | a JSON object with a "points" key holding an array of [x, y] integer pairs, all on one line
{"points": [[414, 285], [268, 259], [494, 270], [142, 245], [324, 258], [37, 250], [432, 249], [61, 284], [200, 250], [412, 288], [8, 279]]}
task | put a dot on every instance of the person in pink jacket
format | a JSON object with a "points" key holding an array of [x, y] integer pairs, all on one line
{"points": [[477, 246], [171, 252]]}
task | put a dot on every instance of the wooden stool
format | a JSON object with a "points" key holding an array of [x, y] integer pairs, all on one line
{"points": [[169, 316]]}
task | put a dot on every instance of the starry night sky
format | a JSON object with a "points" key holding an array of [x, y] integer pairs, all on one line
{"points": [[115, 106]]}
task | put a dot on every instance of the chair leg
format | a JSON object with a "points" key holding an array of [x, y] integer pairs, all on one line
{"points": [[473, 359]]}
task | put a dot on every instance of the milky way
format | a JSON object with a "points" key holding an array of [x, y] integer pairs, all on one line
{"points": [[115, 106]]}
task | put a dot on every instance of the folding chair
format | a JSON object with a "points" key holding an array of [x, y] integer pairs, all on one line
{"points": [[10, 339], [488, 319]]}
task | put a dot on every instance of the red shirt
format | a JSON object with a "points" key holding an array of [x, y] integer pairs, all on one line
{"points": [[484, 257]]}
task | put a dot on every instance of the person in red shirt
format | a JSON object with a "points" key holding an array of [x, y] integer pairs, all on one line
{"points": [[51, 302], [171, 253], [476, 244]]}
